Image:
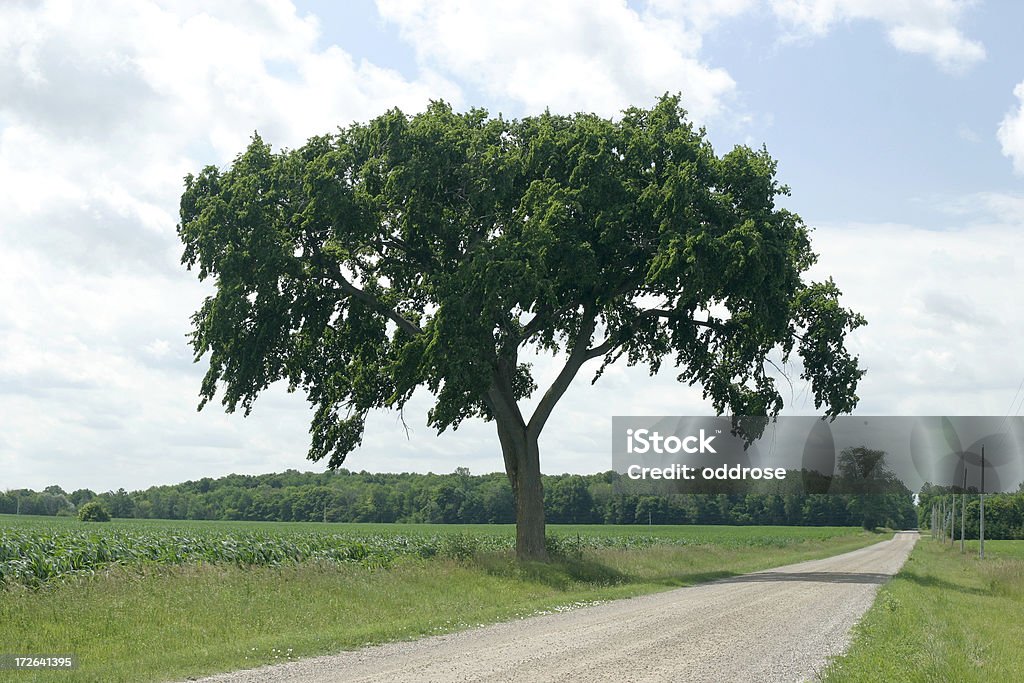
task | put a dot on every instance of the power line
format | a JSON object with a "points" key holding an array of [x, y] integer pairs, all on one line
{"points": [[1010, 409], [1019, 405]]}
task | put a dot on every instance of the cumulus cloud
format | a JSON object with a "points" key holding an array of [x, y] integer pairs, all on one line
{"points": [[576, 55], [701, 15], [1011, 132], [105, 107], [939, 338], [101, 124], [924, 27]]}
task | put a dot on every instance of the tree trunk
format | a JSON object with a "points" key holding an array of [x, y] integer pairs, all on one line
{"points": [[529, 492], [522, 465]]}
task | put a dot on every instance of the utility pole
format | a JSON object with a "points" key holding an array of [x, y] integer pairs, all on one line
{"points": [[947, 520], [942, 522], [952, 519], [981, 528], [963, 509], [952, 516]]}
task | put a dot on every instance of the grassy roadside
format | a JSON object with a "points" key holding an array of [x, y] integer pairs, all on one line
{"points": [[176, 622], [944, 617]]}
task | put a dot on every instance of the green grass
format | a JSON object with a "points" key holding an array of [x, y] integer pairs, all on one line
{"points": [[146, 621], [946, 616]]}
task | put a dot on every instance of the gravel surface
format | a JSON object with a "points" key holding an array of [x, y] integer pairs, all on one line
{"points": [[776, 625]]}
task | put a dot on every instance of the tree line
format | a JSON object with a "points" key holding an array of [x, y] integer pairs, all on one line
{"points": [[460, 497]]}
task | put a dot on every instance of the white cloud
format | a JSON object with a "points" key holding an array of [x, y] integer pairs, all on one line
{"points": [[939, 339], [999, 208], [1011, 132], [966, 133], [571, 56], [104, 108], [924, 27], [701, 15], [158, 348], [101, 124]]}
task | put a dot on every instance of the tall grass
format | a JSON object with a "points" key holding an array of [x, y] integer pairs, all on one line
{"points": [[946, 616]]}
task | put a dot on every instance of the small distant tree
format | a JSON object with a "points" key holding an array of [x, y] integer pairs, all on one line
{"points": [[877, 496], [93, 511]]}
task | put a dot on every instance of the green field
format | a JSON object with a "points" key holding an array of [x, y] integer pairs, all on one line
{"points": [[37, 550], [946, 616], [187, 598]]}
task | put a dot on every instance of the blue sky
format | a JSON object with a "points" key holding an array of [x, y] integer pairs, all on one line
{"points": [[898, 125]]}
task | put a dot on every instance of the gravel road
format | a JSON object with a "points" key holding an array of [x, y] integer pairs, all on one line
{"points": [[775, 625]]}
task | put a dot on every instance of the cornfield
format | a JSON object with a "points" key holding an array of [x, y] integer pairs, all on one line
{"points": [[31, 557], [32, 554]]}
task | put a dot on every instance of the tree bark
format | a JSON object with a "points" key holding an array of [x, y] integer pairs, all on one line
{"points": [[522, 465], [529, 493]]}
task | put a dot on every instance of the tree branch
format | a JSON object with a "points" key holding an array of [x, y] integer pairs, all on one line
{"points": [[504, 407], [676, 315], [333, 272], [602, 348], [580, 354], [535, 324]]}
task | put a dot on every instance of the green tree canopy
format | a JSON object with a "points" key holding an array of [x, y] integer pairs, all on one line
{"points": [[877, 494], [435, 250], [93, 511]]}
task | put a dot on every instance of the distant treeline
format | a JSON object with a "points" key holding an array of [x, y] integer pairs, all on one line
{"points": [[459, 497]]}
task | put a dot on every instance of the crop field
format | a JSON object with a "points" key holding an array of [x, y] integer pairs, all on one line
{"points": [[37, 550]]}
